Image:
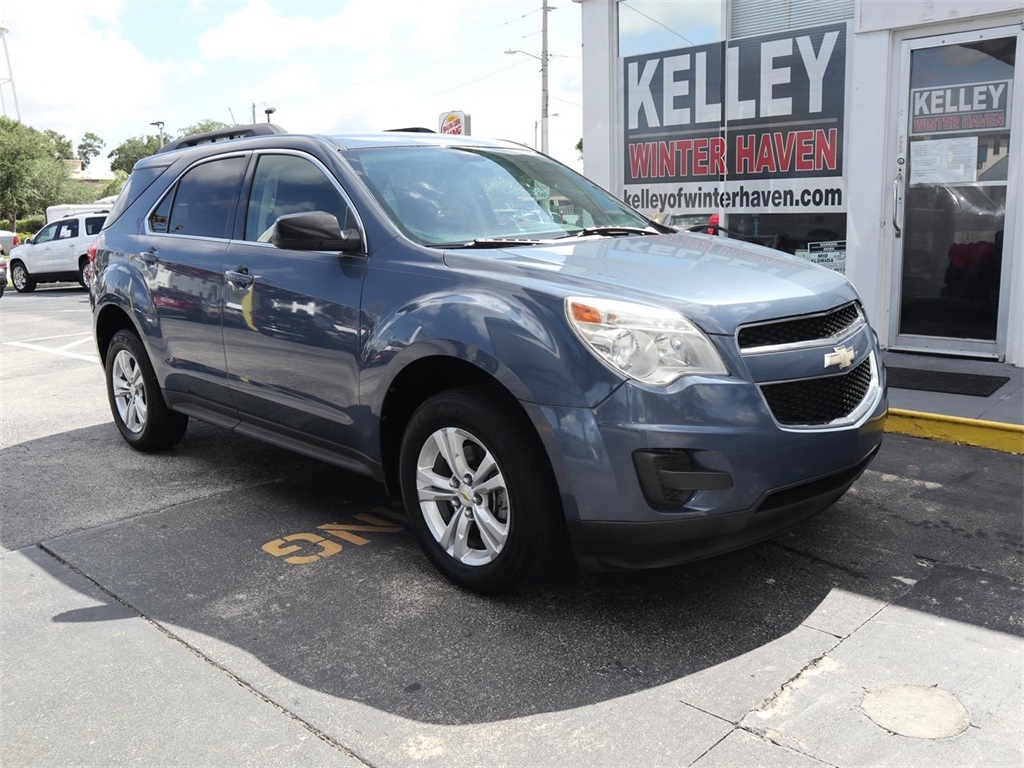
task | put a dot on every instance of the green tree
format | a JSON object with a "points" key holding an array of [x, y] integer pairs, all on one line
{"points": [[32, 176], [114, 187], [89, 147], [579, 148], [58, 145], [125, 155], [203, 126]]}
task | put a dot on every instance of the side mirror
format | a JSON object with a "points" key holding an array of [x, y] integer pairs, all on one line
{"points": [[314, 231]]}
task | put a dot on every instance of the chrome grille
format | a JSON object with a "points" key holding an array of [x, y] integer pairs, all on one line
{"points": [[795, 330], [820, 400]]}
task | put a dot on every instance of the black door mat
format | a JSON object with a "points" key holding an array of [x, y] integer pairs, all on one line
{"points": [[972, 384]]}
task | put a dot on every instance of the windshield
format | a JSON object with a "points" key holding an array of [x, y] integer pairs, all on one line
{"points": [[454, 196]]}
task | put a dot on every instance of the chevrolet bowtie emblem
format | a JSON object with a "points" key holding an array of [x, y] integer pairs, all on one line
{"points": [[842, 356]]}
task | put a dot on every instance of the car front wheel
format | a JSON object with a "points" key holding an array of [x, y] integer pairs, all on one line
{"points": [[138, 407], [23, 282], [479, 492]]}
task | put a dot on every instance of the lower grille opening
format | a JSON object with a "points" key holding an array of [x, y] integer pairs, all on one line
{"points": [[820, 400], [823, 486]]}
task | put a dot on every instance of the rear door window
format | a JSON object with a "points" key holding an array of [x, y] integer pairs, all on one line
{"points": [[206, 197], [67, 229]]}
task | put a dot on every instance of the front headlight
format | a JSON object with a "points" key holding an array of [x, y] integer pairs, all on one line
{"points": [[649, 344]]}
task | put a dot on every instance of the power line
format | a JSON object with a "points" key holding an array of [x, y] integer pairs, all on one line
{"points": [[651, 18]]}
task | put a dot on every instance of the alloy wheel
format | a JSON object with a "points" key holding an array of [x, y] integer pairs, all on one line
{"points": [[129, 391], [463, 496]]}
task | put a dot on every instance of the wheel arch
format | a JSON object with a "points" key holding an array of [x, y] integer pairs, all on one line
{"points": [[109, 320], [415, 384]]}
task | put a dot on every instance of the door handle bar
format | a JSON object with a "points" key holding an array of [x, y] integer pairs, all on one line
{"points": [[896, 184]]}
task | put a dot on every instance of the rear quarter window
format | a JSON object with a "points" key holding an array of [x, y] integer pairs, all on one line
{"points": [[138, 182]]}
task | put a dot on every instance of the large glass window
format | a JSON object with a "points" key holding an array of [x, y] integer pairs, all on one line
{"points": [[204, 203], [286, 184], [45, 235], [955, 199], [67, 229], [441, 196]]}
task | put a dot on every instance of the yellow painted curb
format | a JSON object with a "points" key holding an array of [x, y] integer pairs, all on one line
{"points": [[1008, 438]]}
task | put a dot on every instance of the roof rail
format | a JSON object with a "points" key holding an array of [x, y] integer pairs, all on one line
{"points": [[409, 130], [224, 134]]}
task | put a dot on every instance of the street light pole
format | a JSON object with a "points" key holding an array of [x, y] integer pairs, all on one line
{"points": [[535, 124], [160, 127]]}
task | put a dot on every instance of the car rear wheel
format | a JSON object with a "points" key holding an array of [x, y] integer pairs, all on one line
{"points": [[84, 271], [136, 402], [23, 282], [479, 493]]}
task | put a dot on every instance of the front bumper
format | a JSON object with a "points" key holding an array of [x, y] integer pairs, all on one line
{"points": [[743, 477], [624, 545]]}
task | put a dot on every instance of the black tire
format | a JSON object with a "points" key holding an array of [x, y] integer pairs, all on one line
{"points": [[23, 282], [136, 402], [517, 551]]}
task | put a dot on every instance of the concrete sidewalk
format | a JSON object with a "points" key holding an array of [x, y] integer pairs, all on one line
{"points": [[995, 421]]}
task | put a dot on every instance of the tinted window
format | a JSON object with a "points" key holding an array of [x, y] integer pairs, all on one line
{"points": [[137, 183], [286, 184], [204, 202], [158, 219], [67, 229], [94, 224]]}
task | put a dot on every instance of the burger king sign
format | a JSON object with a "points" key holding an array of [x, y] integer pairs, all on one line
{"points": [[454, 123]]}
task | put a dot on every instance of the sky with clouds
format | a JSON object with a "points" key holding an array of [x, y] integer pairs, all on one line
{"points": [[112, 67]]}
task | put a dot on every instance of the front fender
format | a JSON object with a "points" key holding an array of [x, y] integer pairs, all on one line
{"points": [[522, 341]]}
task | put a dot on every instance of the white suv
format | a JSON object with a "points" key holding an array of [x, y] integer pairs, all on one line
{"points": [[57, 252]]}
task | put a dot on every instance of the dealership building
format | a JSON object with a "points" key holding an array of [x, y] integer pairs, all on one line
{"points": [[879, 139]]}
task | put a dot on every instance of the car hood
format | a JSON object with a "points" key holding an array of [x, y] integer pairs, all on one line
{"points": [[718, 283]]}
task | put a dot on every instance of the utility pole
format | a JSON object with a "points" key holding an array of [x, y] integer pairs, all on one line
{"points": [[544, 77]]}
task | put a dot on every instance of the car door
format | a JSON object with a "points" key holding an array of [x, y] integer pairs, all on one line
{"points": [[182, 258], [38, 254], [291, 318]]}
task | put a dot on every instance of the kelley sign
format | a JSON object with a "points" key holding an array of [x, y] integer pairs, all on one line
{"points": [[749, 116]]}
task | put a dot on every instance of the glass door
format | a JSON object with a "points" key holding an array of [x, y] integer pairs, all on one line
{"points": [[950, 193]]}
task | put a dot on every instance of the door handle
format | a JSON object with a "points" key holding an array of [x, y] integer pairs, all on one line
{"points": [[152, 256], [897, 183], [239, 277]]}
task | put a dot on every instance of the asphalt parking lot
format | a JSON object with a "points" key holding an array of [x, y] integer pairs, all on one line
{"points": [[228, 603]]}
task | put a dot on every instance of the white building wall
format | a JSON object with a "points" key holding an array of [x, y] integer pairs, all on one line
{"points": [[601, 122], [885, 15], [874, 102], [874, 97]]}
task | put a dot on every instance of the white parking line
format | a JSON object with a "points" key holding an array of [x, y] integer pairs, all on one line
{"points": [[62, 351]]}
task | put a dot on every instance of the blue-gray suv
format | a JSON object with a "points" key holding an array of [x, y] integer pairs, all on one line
{"points": [[528, 361]]}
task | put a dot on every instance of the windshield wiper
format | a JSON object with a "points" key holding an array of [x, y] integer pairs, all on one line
{"points": [[609, 232], [491, 242]]}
